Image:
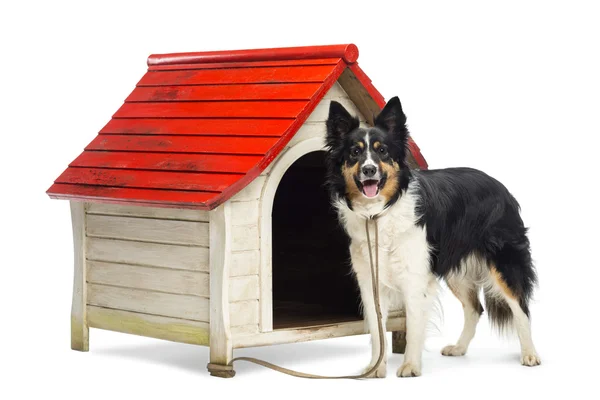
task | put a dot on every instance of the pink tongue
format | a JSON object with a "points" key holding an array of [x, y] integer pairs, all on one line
{"points": [[370, 189]]}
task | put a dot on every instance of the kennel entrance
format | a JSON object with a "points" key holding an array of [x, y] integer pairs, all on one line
{"points": [[312, 280]]}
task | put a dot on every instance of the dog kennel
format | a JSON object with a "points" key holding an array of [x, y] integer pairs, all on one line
{"points": [[199, 211]]}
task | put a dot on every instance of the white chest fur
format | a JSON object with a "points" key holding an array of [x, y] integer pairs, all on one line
{"points": [[402, 245]]}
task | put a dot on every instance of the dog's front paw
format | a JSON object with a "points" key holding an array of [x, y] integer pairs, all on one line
{"points": [[380, 372], [530, 360], [408, 370], [454, 350]]}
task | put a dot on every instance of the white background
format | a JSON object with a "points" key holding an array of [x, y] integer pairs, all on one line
{"points": [[511, 88]]}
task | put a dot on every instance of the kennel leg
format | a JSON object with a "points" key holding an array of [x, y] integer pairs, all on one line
{"points": [[79, 325], [398, 342], [221, 345], [221, 354]]}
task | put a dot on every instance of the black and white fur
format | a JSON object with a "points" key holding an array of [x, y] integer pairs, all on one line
{"points": [[455, 224]]}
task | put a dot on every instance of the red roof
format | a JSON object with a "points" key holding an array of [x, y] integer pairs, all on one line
{"points": [[199, 127]]}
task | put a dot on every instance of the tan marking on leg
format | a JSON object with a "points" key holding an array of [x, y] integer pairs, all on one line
{"points": [[391, 185], [501, 282]]}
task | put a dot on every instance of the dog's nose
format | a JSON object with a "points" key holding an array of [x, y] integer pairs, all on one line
{"points": [[369, 170]]}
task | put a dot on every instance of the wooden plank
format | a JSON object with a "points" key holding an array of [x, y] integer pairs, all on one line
{"points": [[284, 91], [244, 330], [302, 320], [221, 349], [248, 64], [282, 74], [191, 283], [312, 333], [244, 263], [250, 192], [198, 126], [148, 254], [79, 318], [321, 112], [243, 313], [147, 212], [336, 92], [149, 278], [207, 109], [132, 196], [148, 179], [148, 230], [143, 301], [173, 329], [245, 237], [244, 212], [183, 144], [167, 161], [359, 96], [309, 131], [243, 288], [347, 52]]}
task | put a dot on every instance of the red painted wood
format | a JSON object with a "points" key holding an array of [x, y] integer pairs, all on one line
{"points": [[167, 162], [204, 144], [219, 109], [148, 179], [131, 196], [349, 52], [204, 126], [236, 75], [281, 143], [283, 91], [251, 64], [183, 144]]}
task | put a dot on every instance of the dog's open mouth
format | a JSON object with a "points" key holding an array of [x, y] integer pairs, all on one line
{"points": [[370, 188]]}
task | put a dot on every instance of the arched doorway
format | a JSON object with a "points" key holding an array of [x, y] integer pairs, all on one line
{"points": [[312, 280]]}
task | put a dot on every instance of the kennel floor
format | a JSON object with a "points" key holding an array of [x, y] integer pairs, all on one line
{"points": [[290, 315]]}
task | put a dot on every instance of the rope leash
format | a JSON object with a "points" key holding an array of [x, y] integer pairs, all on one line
{"points": [[227, 370]]}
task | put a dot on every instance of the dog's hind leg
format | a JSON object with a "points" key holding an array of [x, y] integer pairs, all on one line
{"points": [[511, 279], [467, 292]]}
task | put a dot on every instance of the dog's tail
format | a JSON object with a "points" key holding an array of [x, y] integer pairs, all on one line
{"points": [[499, 313]]}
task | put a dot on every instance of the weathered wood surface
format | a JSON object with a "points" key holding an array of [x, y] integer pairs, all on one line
{"points": [[311, 333], [221, 345], [148, 254], [147, 212], [149, 278], [173, 329], [149, 302], [148, 230], [244, 263], [79, 318]]}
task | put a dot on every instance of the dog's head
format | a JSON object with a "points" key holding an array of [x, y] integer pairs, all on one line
{"points": [[367, 164]]}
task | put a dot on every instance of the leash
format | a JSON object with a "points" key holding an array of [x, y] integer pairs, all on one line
{"points": [[227, 370]]}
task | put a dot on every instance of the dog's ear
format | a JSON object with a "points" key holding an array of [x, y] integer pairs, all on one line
{"points": [[392, 119], [339, 122]]}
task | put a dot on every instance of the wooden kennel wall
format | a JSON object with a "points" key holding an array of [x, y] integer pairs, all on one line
{"points": [[173, 203]]}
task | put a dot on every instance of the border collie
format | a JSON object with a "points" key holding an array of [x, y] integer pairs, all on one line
{"points": [[455, 224]]}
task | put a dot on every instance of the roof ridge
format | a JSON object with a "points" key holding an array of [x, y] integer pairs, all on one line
{"points": [[347, 52]]}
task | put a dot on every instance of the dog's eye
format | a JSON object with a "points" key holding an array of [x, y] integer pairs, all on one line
{"points": [[382, 151], [355, 151]]}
